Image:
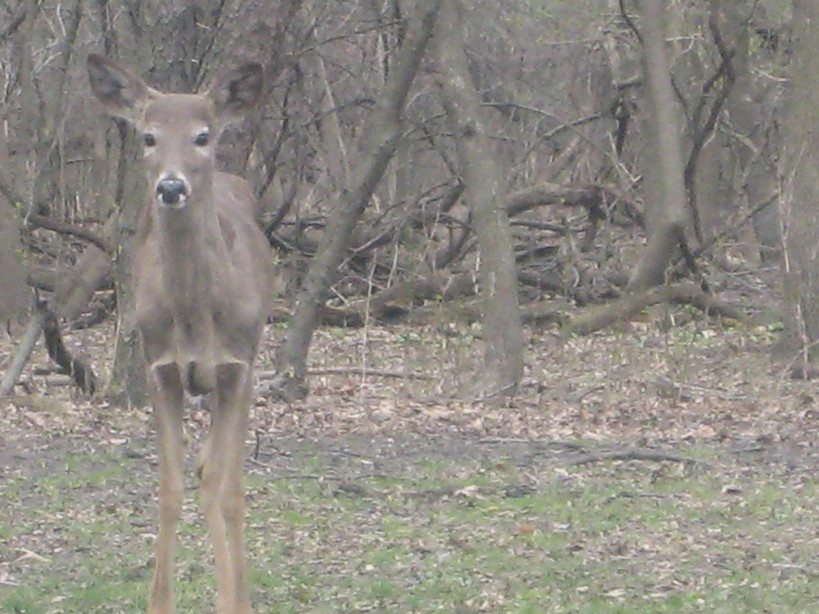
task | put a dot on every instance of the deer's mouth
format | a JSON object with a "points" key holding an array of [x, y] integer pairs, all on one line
{"points": [[172, 192]]}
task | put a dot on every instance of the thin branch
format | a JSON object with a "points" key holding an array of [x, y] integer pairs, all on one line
{"points": [[629, 21], [701, 133], [65, 228]]}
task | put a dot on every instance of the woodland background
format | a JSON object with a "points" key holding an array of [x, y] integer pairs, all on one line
{"points": [[626, 424], [603, 180]]}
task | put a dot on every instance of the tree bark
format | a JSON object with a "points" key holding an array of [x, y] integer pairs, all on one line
{"points": [[128, 385], [81, 373], [755, 179], [15, 297], [24, 350], [485, 193], [800, 216], [384, 134], [666, 209]]}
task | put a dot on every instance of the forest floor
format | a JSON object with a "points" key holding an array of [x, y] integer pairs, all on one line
{"points": [[665, 465]]}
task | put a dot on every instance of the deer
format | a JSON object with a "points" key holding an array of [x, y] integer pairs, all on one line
{"points": [[201, 280]]}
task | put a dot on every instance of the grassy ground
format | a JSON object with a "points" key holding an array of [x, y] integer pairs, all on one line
{"points": [[637, 472], [431, 525]]}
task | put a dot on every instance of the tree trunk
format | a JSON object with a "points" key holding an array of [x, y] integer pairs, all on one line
{"points": [[484, 192], [757, 182], [128, 385], [664, 193], [384, 135], [712, 168], [15, 296], [800, 216]]}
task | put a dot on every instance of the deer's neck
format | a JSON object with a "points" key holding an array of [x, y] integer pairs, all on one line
{"points": [[191, 248]]}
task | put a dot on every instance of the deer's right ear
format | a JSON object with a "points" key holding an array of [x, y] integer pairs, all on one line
{"points": [[121, 92], [238, 91]]}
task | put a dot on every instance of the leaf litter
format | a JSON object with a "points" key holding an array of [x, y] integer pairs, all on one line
{"points": [[385, 438]]}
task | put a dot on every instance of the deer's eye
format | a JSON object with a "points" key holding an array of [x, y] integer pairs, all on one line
{"points": [[149, 139], [202, 139]]}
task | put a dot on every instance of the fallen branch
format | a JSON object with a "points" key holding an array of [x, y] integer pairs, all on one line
{"points": [[27, 343], [626, 306], [82, 374], [396, 303], [362, 371], [75, 287], [65, 228], [593, 198], [627, 455]]}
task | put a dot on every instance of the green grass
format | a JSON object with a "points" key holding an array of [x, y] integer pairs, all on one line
{"points": [[439, 536]]}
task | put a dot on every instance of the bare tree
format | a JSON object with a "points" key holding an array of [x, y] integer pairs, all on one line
{"points": [[750, 141], [569, 135], [666, 208], [484, 192], [384, 135], [800, 216], [15, 297]]}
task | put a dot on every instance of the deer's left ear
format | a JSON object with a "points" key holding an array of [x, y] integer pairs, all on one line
{"points": [[121, 91], [238, 91]]}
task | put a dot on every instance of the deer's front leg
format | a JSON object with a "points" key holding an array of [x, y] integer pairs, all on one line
{"points": [[222, 485], [168, 402]]}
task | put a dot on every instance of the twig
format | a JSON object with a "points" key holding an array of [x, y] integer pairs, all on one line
{"points": [[533, 442], [28, 554], [504, 391], [266, 375], [730, 229], [632, 454], [315, 476]]}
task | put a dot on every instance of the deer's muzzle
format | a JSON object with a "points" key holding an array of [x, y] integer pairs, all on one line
{"points": [[172, 191]]}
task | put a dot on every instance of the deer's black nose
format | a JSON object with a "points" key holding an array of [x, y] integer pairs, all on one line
{"points": [[171, 191]]}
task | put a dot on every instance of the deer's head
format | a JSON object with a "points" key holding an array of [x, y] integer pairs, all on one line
{"points": [[179, 131]]}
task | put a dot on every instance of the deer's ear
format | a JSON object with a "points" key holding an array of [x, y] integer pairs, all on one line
{"points": [[237, 92], [121, 92]]}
